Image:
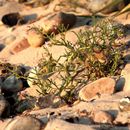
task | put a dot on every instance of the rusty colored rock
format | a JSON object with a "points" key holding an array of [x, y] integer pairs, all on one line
{"points": [[20, 45], [102, 117], [101, 86]]}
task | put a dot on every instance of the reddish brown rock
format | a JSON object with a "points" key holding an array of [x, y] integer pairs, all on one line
{"points": [[124, 104], [96, 88], [102, 117], [19, 46], [122, 118]]}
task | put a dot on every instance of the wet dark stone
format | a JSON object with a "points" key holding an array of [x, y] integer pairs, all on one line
{"points": [[12, 84], [68, 20], [11, 19], [62, 19], [23, 105], [2, 46]]}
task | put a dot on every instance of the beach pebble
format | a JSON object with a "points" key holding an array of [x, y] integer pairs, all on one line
{"points": [[102, 117], [20, 45], [12, 84], [35, 37], [95, 89], [11, 19]]}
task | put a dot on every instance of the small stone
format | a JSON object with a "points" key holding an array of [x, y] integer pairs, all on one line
{"points": [[35, 37], [68, 20], [24, 123], [20, 45], [24, 105], [102, 117], [2, 46], [11, 19], [56, 21], [120, 84], [124, 104], [12, 84], [4, 108], [30, 18], [45, 101], [95, 89]]}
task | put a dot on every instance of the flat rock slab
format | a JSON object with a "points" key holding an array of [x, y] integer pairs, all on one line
{"points": [[63, 125], [109, 103], [96, 88], [65, 112]]}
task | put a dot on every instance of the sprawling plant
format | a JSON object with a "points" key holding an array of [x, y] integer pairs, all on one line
{"points": [[97, 53]]}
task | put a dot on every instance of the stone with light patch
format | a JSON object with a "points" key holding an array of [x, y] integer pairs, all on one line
{"points": [[124, 104]]}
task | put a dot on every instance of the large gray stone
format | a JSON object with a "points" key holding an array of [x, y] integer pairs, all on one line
{"points": [[12, 84]]}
